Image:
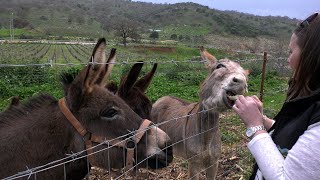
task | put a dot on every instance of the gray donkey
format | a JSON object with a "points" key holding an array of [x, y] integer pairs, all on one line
{"points": [[197, 137]]}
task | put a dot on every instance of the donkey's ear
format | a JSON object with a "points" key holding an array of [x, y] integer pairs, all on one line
{"points": [[206, 56], [145, 81], [128, 81], [98, 68], [93, 74], [247, 71], [107, 70]]}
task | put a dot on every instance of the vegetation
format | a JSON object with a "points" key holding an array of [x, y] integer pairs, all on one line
{"points": [[81, 18]]}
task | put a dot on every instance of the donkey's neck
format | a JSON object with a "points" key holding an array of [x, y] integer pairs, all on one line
{"points": [[207, 119], [205, 125]]}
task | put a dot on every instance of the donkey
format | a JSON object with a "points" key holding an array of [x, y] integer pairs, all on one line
{"points": [[132, 90], [197, 137], [44, 129]]}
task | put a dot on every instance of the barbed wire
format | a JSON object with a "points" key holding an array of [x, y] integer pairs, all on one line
{"points": [[176, 62]]}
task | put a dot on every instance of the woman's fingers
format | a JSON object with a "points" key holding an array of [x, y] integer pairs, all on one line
{"points": [[241, 99], [258, 102], [245, 104], [235, 108], [256, 99], [248, 110]]}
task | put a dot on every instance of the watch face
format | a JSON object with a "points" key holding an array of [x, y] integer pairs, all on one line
{"points": [[249, 132]]}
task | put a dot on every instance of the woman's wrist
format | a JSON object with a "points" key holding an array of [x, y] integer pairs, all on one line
{"points": [[267, 122], [264, 119], [255, 122], [256, 127]]}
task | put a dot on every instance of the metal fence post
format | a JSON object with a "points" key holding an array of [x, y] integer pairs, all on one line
{"points": [[263, 76]]}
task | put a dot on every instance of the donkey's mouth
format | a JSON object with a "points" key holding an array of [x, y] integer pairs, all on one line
{"points": [[161, 160], [230, 98]]}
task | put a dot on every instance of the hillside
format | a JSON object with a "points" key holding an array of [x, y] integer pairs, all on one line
{"points": [[83, 18]]}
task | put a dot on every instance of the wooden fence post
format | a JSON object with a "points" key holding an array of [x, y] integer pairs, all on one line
{"points": [[265, 58]]}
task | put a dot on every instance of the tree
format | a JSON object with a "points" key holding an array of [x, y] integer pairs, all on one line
{"points": [[125, 28], [154, 35], [136, 37], [174, 36]]}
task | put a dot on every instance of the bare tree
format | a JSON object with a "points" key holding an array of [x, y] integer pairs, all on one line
{"points": [[125, 28]]}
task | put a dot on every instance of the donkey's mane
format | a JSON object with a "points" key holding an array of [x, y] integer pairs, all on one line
{"points": [[68, 77], [15, 112]]}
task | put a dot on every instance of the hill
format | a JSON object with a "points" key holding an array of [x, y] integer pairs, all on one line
{"points": [[92, 18]]}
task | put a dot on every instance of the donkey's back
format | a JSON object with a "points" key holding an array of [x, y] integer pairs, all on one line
{"points": [[171, 113], [24, 127]]}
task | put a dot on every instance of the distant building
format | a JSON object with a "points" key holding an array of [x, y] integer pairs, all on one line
{"points": [[156, 30]]}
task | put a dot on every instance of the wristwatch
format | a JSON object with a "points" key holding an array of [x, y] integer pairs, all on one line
{"points": [[252, 130]]}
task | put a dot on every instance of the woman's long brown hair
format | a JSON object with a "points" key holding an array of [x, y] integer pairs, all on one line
{"points": [[306, 78]]}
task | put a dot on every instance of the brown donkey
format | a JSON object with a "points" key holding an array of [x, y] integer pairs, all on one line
{"points": [[132, 90], [44, 129], [197, 137]]}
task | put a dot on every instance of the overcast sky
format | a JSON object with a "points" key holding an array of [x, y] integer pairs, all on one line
{"points": [[299, 9]]}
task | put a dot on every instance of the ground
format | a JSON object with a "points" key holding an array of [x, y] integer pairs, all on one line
{"points": [[235, 162]]}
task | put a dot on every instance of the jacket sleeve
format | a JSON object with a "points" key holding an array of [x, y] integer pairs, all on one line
{"points": [[301, 162]]}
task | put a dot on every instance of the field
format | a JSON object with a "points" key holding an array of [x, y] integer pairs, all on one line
{"points": [[28, 69]]}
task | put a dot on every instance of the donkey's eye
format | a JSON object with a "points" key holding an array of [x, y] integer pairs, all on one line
{"points": [[220, 66], [109, 113]]}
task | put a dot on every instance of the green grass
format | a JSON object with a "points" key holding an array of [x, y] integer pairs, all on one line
{"points": [[18, 33], [274, 92], [183, 30]]}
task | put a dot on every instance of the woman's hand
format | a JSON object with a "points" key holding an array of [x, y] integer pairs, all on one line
{"points": [[249, 109], [258, 102]]}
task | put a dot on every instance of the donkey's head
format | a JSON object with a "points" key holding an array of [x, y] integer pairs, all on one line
{"points": [[132, 90], [226, 80], [105, 115]]}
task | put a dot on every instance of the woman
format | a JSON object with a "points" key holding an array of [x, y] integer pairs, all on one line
{"points": [[292, 151]]}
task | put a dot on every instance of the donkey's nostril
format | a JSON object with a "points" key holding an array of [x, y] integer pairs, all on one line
{"points": [[236, 80]]}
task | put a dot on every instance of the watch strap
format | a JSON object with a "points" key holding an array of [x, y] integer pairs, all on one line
{"points": [[254, 129]]}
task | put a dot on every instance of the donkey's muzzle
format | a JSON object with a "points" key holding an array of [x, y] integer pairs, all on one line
{"points": [[161, 159]]}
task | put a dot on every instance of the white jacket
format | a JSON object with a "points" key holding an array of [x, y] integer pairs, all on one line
{"points": [[302, 161]]}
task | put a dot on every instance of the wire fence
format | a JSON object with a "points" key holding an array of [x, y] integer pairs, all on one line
{"points": [[235, 161]]}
